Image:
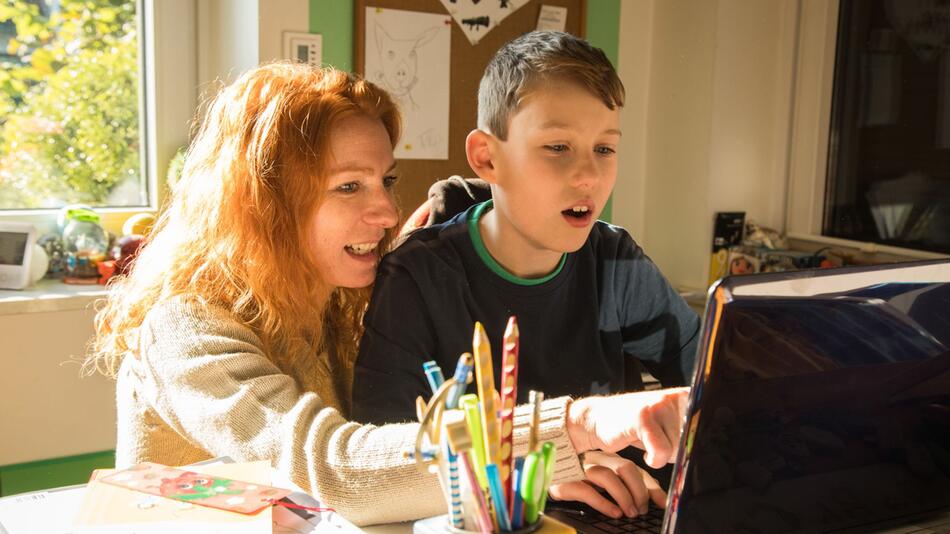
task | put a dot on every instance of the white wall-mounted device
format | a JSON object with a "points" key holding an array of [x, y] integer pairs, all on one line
{"points": [[304, 47], [16, 253]]}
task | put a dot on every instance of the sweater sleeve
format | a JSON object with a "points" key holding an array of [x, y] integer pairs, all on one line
{"points": [[206, 376]]}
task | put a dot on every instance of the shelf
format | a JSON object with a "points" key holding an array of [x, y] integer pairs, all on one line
{"points": [[49, 296]]}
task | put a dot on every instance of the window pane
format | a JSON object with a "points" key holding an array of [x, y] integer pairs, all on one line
{"points": [[889, 153], [69, 104]]}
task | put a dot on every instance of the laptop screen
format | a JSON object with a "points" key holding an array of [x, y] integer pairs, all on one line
{"points": [[822, 402]]}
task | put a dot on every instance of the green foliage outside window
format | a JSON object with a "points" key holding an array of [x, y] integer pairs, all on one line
{"points": [[69, 105]]}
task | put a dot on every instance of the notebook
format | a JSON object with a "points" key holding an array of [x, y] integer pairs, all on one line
{"points": [[821, 403]]}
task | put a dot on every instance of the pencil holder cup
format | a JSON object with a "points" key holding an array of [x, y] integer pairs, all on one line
{"points": [[441, 524]]}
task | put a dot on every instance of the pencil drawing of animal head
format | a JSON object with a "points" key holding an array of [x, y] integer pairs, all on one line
{"points": [[398, 61]]}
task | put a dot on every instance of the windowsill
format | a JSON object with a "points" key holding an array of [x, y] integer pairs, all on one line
{"points": [[863, 252], [49, 296]]}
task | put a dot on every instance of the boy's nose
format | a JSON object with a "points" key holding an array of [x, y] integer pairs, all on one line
{"points": [[585, 174]]}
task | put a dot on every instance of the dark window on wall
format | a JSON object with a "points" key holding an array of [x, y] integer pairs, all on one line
{"points": [[889, 153]]}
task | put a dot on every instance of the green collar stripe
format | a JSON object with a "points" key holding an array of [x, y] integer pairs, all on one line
{"points": [[489, 261]]}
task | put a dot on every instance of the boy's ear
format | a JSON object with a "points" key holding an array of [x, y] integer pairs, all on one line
{"points": [[478, 150]]}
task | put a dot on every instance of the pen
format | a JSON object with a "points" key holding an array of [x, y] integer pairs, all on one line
{"points": [[509, 394], [462, 373], [532, 486], [433, 375], [469, 405], [534, 398], [549, 455], [484, 376], [427, 454]]}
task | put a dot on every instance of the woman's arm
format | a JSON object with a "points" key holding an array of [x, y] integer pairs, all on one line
{"points": [[206, 377]]}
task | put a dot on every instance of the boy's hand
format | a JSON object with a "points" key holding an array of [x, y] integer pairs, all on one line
{"points": [[649, 420], [630, 487]]}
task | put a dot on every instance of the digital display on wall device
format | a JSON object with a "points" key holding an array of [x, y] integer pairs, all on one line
{"points": [[12, 248]]}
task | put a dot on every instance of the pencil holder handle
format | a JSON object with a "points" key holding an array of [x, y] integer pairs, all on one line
{"points": [[431, 423]]}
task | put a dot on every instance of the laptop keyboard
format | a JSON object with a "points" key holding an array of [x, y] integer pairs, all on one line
{"points": [[589, 521]]}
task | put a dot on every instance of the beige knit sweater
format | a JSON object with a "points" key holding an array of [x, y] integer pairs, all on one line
{"points": [[200, 386]]}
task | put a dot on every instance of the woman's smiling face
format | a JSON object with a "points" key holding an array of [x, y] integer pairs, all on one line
{"points": [[359, 205]]}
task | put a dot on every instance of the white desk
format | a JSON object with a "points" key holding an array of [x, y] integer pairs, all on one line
{"points": [[52, 511]]}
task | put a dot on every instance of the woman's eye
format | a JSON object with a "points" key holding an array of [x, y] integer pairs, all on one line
{"points": [[349, 187], [605, 150], [390, 181], [556, 148]]}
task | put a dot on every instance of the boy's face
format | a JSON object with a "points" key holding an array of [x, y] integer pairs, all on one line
{"points": [[554, 173]]}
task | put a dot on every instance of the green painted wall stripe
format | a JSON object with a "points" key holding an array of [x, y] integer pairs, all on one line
{"points": [[603, 26], [603, 31], [334, 20], [52, 473]]}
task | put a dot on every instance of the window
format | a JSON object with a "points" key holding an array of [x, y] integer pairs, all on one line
{"points": [[888, 178], [70, 127], [869, 165]]}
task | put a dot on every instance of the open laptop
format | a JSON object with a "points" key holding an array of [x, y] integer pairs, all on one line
{"points": [[821, 403]]}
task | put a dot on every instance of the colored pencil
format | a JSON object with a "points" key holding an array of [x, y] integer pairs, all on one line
{"points": [[509, 395], [485, 379]]}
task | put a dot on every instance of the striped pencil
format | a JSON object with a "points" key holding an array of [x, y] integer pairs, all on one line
{"points": [[509, 395], [455, 489]]}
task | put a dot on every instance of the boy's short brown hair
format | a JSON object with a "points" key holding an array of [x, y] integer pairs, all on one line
{"points": [[523, 63]]}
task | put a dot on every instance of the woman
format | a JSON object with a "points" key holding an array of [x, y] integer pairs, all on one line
{"points": [[234, 332]]}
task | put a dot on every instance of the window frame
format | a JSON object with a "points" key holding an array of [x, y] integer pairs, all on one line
{"points": [[167, 99], [810, 134]]}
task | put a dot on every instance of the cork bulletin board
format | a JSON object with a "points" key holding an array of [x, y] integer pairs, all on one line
{"points": [[466, 64]]}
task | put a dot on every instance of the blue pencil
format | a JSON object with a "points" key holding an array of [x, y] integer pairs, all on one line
{"points": [[517, 506], [497, 496]]}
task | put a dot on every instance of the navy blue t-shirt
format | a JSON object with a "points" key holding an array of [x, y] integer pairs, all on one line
{"points": [[578, 326]]}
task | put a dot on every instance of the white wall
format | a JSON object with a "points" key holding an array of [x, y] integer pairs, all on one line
{"points": [[276, 17], [227, 39], [709, 103], [48, 411], [237, 35], [636, 40]]}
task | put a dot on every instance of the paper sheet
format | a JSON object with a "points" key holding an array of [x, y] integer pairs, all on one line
{"points": [[552, 18], [108, 508], [408, 54]]}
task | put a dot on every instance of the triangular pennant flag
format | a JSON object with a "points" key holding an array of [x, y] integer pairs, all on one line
{"points": [[478, 17]]}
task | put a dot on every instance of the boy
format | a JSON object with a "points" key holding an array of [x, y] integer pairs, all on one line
{"points": [[586, 298]]}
